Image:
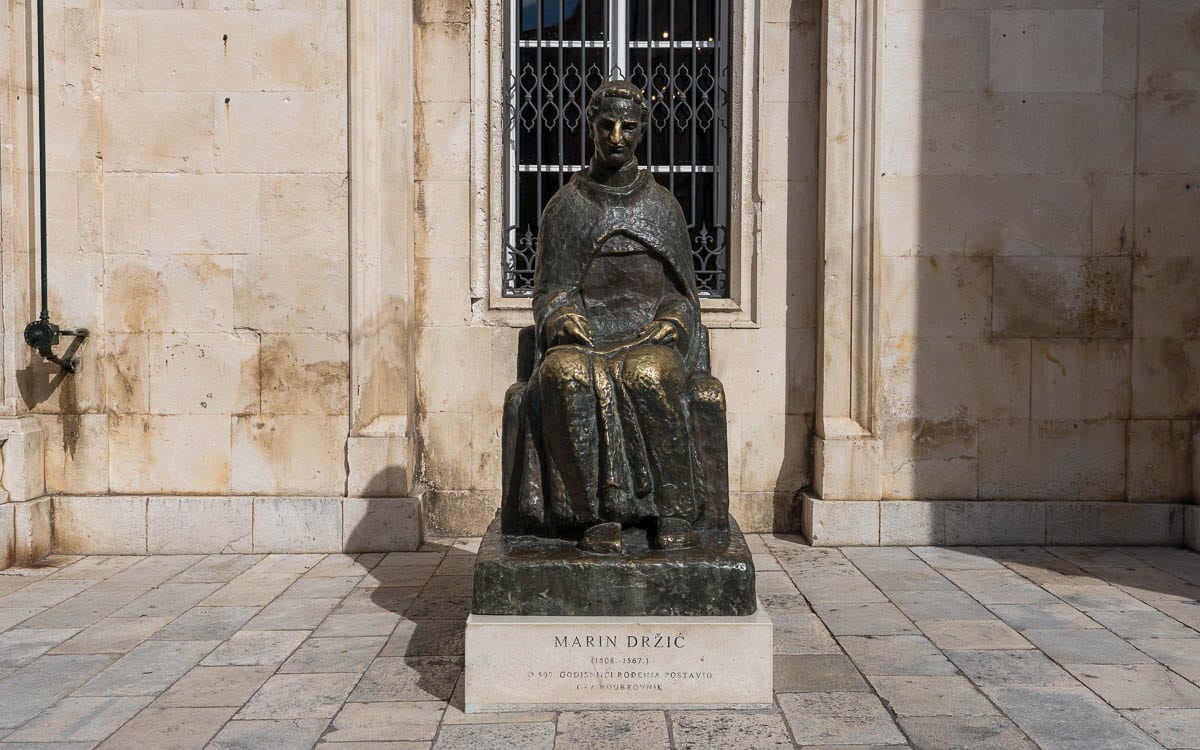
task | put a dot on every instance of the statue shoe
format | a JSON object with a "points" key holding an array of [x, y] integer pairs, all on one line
{"points": [[604, 538], [675, 533]]}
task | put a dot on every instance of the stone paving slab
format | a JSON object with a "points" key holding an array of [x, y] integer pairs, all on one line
{"points": [[987, 648]]}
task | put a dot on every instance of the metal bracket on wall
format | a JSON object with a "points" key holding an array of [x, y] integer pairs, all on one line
{"points": [[44, 336]]}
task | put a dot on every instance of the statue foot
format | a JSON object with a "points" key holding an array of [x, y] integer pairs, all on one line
{"points": [[675, 533], [604, 538]]}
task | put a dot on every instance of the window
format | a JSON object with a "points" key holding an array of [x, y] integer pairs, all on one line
{"points": [[559, 52]]}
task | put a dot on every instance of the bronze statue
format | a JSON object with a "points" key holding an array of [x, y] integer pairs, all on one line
{"points": [[616, 425]]}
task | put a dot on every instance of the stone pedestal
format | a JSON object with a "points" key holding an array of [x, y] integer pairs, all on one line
{"points": [[551, 663], [525, 575]]}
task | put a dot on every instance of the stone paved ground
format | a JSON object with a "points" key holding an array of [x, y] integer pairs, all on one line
{"points": [[1015, 647]]}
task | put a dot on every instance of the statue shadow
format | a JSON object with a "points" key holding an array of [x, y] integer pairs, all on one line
{"points": [[430, 589]]}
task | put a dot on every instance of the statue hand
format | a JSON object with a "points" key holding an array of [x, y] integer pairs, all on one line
{"points": [[660, 332], [575, 329]]}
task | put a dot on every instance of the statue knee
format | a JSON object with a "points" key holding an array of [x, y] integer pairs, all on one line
{"points": [[566, 369], [706, 392], [655, 370]]}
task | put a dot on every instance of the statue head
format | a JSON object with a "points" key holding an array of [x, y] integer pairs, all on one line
{"points": [[617, 116]]}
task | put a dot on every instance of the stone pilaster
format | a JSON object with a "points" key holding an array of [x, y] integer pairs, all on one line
{"points": [[847, 448]]}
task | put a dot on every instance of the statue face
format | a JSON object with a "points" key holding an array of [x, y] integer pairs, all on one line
{"points": [[616, 131]]}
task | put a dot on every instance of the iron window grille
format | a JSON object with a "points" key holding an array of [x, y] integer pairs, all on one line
{"points": [[558, 53]]}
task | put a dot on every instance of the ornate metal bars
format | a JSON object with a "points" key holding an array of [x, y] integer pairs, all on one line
{"points": [[558, 52]]}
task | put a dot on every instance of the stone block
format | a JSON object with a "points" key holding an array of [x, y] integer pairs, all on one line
{"points": [[1115, 523], [288, 454], [1165, 143], [119, 34], [126, 366], [1022, 460], [153, 454], [1159, 466], [513, 663], [443, 290], [76, 449], [792, 72], [450, 375], [1191, 537], [933, 296], [215, 54], [1046, 50], [33, 523], [102, 525], [158, 131], [837, 523], [379, 465], [751, 359], [21, 456], [993, 522], [1168, 219], [906, 523], [1046, 297], [996, 215], [381, 524], [942, 380], [297, 524], [847, 466], [443, 142], [936, 50], [198, 525], [790, 134], [305, 373], [304, 214], [186, 214], [165, 294], [765, 512], [1112, 211], [291, 294], [441, 11], [1165, 374], [930, 460], [946, 695], [773, 451], [442, 53], [73, 279], [460, 512], [8, 536], [1166, 44], [299, 49], [204, 373], [443, 212], [1164, 297], [1053, 134], [280, 132], [1079, 379]]}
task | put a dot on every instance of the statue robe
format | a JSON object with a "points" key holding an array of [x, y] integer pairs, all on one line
{"points": [[605, 432]]}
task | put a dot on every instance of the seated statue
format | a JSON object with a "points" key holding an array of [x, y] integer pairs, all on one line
{"points": [[618, 423]]}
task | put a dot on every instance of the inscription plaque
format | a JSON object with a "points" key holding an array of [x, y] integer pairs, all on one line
{"points": [[530, 663]]}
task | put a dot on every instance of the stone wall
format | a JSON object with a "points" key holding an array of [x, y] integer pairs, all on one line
{"points": [[1038, 208], [197, 204]]}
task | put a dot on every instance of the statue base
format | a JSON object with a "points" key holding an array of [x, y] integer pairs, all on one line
{"points": [[526, 575], [551, 663]]}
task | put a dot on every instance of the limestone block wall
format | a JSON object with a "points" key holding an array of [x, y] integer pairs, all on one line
{"points": [[466, 346], [1038, 203], [198, 213]]}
